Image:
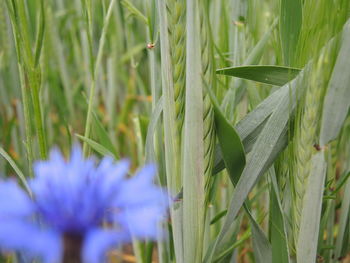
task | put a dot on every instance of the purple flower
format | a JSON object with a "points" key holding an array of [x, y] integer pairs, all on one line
{"points": [[79, 210]]}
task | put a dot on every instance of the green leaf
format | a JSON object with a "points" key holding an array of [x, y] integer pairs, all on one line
{"points": [[171, 149], [14, 166], [274, 75], [343, 221], [264, 152], [151, 129], [278, 233], [193, 146], [312, 206], [230, 143], [235, 94], [261, 245], [251, 125], [290, 25], [337, 100], [103, 136], [96, 146], [133, 10], [218, 217]]}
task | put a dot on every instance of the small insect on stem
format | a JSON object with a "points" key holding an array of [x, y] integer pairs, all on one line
{"points": [[150, 45], [317, 147]]}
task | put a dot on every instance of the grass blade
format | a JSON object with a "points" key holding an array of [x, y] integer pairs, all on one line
{"points": [[102, 134], [230, 143], [337, 102], [251, 125], [18, 171], [310, 218], [193, 150], [343, 221], [274, 75], [278, 233], [290, 26], [96, 146], [261, 245]]}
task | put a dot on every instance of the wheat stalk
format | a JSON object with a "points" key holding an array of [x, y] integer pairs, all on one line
{"points": [[306, 134], [176, 10], [208, 82]]}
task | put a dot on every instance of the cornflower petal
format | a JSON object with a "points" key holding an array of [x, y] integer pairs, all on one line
{"points": [[14, 202], [29, 239], [109, 176], [142, 222], [142, 204], [140, 189]]}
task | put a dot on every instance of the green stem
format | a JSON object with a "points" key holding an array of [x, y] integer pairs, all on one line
{"points": [[95, 66], [35, 83], [29, 72], [27, 118]]}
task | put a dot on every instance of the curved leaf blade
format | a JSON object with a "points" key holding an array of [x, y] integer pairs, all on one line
{"points": [[230, 143], [337, 100], [309, 229], [274, 75], [251, 125], [263, 152]]}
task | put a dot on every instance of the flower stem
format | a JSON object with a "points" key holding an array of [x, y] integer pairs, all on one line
{"points": [[72, 248]]}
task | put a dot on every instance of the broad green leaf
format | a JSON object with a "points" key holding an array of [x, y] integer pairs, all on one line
{"points": [[234, 157], [230, 143], [337, 100], [251, 125], [14, 166], [193, 146], [263, 153], [96, 146], [278, 233], [311, 213], [290, 26], [274, 75]]}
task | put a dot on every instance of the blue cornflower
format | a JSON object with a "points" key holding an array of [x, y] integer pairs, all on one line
{"points": [[79, 210]]}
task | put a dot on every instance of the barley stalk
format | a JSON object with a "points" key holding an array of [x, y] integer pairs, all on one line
{"points": [[208, 114], [173, 45], [176, 11], [304, 149], [306, 135]]}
